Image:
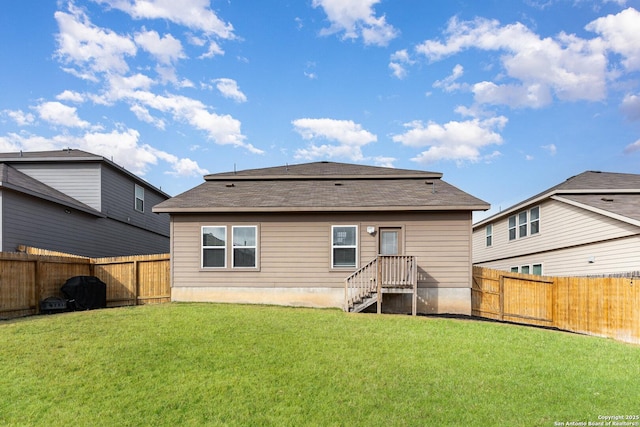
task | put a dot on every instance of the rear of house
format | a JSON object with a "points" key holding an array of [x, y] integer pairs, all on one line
{"points": [[291, 235]]}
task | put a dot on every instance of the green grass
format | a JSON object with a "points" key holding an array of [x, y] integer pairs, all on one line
{"points": [[212, 364]]}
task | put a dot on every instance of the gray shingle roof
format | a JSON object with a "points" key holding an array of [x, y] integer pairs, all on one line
{"points": [[322, 186], [590, 188]]}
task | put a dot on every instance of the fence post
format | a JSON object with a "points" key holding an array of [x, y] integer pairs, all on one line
{"points": [[136, 282], [379, 280]]}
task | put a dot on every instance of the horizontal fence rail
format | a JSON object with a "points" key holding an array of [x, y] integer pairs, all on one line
{"points": [[30, 276], [604, 306]]}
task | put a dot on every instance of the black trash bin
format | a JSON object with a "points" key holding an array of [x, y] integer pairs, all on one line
{"points": [[85, 293]]}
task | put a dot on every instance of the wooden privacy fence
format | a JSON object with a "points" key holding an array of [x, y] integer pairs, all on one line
{"points": [[604, 306], [28, 278]]}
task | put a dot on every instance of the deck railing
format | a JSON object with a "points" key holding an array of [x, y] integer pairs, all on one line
{"points": [[382, 272]]}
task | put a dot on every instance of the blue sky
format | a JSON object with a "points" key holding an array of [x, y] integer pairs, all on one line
{"points": [[504, 97]]}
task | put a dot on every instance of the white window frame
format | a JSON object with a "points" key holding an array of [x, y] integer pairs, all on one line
{"points": [[334, 246], [518, 269], [520, 225], [489, 235], [222, 248], [138, 195], [531, 220], [512, 227], [234, 247]]}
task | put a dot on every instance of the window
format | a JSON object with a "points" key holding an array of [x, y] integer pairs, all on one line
{"points": [[139, 199], [536, 269], [489, 233], [528, 269], [523, 224], [244, 246], [214, 247], [534, 218], [512, 227], [344, 244]]}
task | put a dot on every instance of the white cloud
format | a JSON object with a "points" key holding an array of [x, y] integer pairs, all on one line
{"points": [[214, 49], [356, 18], [194, 14], [166, 49], [569, 67], [551, 149], [350, 138], [229, 89], [144, 115], [620, 34], [455, 140], [630, 106], [448, 84], [632, 148], [20, 117], [398, 62], [57, 113], [89, 48], [70, 96], [123, 147]]}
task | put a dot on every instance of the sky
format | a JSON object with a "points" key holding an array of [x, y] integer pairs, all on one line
{"points": [[506, 98]]}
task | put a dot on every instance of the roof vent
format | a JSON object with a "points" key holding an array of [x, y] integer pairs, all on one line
{"points": [[607, 199], [337, 184], [231, 185]]}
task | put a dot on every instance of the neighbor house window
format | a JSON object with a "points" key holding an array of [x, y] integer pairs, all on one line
{"points": [[512, 227], [528, 269], [214, 247], [489, 233], [534, 220], [139, 202], [344, 245], [523, 224], [245, 245]]}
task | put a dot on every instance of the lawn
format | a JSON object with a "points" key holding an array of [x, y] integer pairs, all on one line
{"points": [[218, 364]]}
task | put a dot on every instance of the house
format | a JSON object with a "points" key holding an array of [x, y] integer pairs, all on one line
{"points": [[80, 203], [292, 235], [587, 225]]}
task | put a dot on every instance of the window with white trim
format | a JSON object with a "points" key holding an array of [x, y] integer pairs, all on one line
{"points": [[214, 246], [535, 269], [344, 246], [534, 220], [139, 198], [489, 235], [525, 223], [245, 246]]}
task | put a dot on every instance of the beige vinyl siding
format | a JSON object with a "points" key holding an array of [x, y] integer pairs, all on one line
{"points": [[609, 257], [561, 226], [295, 250], [78, 180]]}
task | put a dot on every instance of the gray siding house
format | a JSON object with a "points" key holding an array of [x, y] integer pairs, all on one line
{"points": [[587, 225], [80, 203], [292, 235]]}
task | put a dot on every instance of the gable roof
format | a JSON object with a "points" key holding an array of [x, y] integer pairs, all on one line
{"points": [[612, 194], [12, 179], [71, 155], [322, 186]]}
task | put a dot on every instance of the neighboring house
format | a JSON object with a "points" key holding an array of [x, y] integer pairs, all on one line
{"points": [[587, 225], [291, 235], [80, 203]]}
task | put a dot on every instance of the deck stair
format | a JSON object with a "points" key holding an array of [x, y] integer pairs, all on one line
{"points": [[383, 274]]}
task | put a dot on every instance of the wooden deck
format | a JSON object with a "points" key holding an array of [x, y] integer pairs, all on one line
{"points": [[385, 274]]}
